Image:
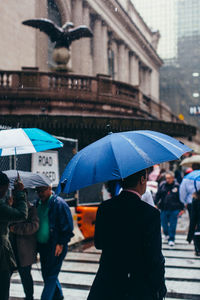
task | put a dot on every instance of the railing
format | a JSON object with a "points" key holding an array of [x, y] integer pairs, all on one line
{"points": [[99, 89]]}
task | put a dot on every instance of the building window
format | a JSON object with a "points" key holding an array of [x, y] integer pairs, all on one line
{"points": [[55, 16]]}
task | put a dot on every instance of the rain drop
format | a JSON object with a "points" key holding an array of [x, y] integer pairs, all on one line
{"points": [[116, 9]]}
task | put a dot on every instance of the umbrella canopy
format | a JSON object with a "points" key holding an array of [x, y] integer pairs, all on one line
{"points": [[29, 179], [195, 159], [26, 140], [117, 156]]}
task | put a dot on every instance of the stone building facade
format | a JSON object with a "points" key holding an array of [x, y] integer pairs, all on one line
{"points": [[123, 46]]}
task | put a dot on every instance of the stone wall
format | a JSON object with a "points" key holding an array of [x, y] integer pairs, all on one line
{"points": [[17, 41]]}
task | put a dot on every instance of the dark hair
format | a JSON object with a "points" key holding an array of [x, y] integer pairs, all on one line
{"points": [[4, 179], [132, 180]]}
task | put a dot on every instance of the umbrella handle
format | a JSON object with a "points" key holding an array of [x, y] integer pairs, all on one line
{"points": [[15, 160], [18, 177]]}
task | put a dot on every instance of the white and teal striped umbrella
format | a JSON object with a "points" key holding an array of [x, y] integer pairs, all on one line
{"points": [[26, 140]]}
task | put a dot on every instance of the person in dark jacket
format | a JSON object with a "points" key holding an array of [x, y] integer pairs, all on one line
{"points": [[128, 231], [55, 231], [167, 200], [194, 229], [23, 240], [9, 214]]}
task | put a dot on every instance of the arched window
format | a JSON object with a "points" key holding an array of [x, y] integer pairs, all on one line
{"points": [[53, 15]]}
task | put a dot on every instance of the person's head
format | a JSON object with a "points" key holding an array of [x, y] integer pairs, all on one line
{"points": [[169, 177], [44, 192], [195, 166], [137, 181], [4, 183]]}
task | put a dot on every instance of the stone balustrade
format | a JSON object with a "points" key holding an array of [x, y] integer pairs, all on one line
{"points": [[59, 93]]}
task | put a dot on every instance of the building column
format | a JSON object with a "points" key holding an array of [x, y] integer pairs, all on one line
{"points": [[133, 69], [123, 62], [86, 61], [115, 50], [77, 13], [121, 53], [126, 64], [97, 47], [155, 85], [148, 81], [104, 49]]}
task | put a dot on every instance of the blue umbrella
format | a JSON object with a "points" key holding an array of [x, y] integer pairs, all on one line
{"points": [[195, 176], [117, 156], [26, 140]]}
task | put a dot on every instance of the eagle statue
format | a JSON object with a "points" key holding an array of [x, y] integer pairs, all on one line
{"points": [[62, 36]]}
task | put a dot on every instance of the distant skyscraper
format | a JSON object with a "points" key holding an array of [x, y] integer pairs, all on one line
{"points": [[161, 15], [179, 24], [188, 18]]}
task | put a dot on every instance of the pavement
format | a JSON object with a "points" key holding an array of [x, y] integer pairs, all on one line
{"points": [[80, 267]]}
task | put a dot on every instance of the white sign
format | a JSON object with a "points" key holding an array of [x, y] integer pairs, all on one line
{"points": [[46, 163]]}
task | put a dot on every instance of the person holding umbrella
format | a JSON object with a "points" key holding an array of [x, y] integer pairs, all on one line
{"points": [[128, 230], [128, 233], [23, 241], [9, 214]]}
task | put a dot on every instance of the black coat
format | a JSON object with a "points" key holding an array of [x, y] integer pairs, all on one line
{"points": [[131, 265], [167, 197], [195, 219], [9, 214]]}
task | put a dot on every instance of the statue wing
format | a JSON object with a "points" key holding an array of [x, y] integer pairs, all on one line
{"points": [[79, 32], [47, 26]]}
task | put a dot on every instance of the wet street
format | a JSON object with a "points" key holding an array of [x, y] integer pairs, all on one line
{"points": [[80, 266]]}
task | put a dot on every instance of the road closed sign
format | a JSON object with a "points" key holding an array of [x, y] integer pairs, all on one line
{"points": [[47, 164]]}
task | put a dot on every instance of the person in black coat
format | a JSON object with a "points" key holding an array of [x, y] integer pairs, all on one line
{"points": [[128, 231], [194, 229], [167, 200]]}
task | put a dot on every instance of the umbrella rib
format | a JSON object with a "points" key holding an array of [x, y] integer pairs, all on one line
{"points": [[163, 140], [157, 140], [115, 156], [139, 150]]}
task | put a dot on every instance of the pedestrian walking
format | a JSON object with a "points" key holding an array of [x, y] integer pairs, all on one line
{"points": [[23, 240], [194, 229], [9, 214], [167, 200], [128, 233], [187, 189], [55, 231]]}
